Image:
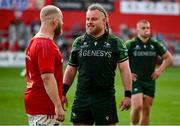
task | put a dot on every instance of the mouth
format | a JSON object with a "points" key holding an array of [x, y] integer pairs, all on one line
{"points": [[90, 25]]}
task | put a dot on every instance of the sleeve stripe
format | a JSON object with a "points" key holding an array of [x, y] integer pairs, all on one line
{"points": [[122, 60], [71, 64]]}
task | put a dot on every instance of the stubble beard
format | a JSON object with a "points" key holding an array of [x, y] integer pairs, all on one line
{"points": [[57, 31], [93, 30]]}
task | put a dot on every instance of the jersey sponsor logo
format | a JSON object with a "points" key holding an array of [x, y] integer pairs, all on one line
{"points": [[95, 53], [85, 45], [152, 47], [137, 47], [74, 115], [29, 84], [135, 89], [107, 45], [144, 53], [95, 43], [107, 118]]}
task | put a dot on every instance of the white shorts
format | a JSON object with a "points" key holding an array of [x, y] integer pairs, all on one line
{"points": [[42, 120]]}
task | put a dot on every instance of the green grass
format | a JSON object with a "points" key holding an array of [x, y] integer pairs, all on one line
{"points": [[165, 110]]}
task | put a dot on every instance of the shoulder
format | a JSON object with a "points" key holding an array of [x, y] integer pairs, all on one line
{"points": [[157, 42], [114, 38], [153, 40], [130, 42], [78, 40], [42, 42]]}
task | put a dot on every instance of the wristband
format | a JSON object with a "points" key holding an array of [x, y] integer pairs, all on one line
{"points": [[65, 88], [127, 93]]}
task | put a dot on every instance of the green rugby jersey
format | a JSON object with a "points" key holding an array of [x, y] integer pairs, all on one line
{"points": [[96, 60], [143, 56]]}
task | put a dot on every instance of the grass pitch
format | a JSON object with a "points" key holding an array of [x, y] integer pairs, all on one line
{"points": [[165, 109]]}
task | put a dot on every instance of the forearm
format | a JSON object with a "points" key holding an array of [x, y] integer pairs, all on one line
{"points": [[126, 80], [167, 61], [125, 75], [51, 88], [69, 75]]}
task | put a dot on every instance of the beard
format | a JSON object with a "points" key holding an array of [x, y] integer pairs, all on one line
{"points": [[93, 30], [57, 31]]}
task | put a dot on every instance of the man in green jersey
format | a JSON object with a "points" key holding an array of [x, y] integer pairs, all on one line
{"points": [[95, 56], [143, 51]]}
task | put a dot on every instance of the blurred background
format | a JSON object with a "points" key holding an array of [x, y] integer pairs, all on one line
{"points": [[19, 21]]}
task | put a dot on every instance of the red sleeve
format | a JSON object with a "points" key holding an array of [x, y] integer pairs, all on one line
{"points": [[46, 57]]}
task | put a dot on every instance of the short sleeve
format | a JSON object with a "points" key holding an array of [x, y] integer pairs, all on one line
{"points": [[122, 51], [161, 48], [46, 57], [73, 60]]}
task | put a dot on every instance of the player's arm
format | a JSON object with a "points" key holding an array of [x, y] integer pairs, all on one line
{"points": [[51, 88], [126, 81], [167, 61], [125, 74], [68, 78]]}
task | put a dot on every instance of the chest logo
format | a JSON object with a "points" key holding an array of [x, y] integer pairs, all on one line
{"points": [[107, 45], [95, 43], [152, 47], [137, 47], [84, 45]]}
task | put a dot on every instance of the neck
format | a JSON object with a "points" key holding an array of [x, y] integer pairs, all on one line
{"points": [[45, 32], [99, 34], [144, 40]]}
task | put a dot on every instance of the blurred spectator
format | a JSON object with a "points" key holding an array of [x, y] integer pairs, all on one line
{"points": [[18, 35], [77, 30], [35, 25], [126, 32]]}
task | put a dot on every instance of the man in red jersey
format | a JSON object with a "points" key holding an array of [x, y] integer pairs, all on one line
{"points": [[44, 66]]}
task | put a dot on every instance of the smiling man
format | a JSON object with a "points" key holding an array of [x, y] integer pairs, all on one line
{"points": [[95, 55]]}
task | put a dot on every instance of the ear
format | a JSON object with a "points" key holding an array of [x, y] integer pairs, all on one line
{"points": [[54, 21], [105, 20]]}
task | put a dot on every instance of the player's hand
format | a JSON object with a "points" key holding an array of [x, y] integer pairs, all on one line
{"points": [[125, 103], [134, 76], [64, 101], [60, 114], [155, 74]]}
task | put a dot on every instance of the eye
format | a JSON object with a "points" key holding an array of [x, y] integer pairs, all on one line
{"points": [[87, 19], [145, 28]]}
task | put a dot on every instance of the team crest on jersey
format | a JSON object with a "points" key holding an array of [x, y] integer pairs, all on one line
{"points": [[95, 43], [152, 47], [107, 45], [137, 47], [84, 45]]}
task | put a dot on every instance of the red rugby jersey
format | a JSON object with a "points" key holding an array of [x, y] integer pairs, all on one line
{"points": [[42, 56]]}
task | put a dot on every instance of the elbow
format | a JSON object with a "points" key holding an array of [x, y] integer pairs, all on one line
{"points": [[45, 78]]}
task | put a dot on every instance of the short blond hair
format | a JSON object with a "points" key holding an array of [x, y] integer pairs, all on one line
{"points": [[48, 11], [142, 21]]}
